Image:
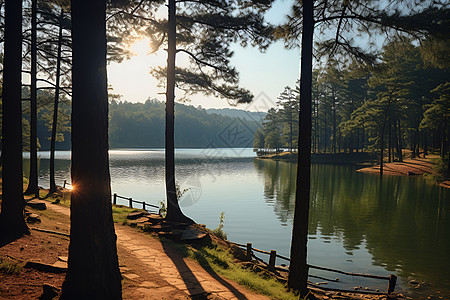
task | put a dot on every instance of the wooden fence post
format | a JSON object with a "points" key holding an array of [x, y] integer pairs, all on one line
{"points": [[249, 251], [143, 205], [392, 282], [115, 199], [131, 203], [272, 258], [64, 185]]}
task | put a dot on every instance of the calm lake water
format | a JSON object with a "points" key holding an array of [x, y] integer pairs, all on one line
{"points": [[399, 225]]}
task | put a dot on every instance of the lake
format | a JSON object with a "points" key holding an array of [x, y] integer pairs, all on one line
{"points": [[358, 223]]}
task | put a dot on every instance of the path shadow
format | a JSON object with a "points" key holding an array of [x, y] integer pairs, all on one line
{"points": [[187, 274], [193, 285]]}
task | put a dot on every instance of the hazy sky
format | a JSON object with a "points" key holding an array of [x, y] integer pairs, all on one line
{"points": [[264, 74]]}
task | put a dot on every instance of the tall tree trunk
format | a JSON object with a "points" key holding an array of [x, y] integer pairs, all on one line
{"points": [[425, 144], [298, 269], [55, 107], [174, 212], [315, 127], [339, 143], [317, 133], [325, 129], [33, 180], [12, 222], [448, 149], [363, 145], [334, 124], [93, 268], [400, 142], [389, 141], [290, 132], [382, 151]]}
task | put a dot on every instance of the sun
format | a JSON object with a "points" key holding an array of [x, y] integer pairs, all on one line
{"points": [[131, 78], [142, 47]]}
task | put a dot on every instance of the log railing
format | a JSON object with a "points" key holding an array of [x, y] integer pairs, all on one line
{"points": [[392, 279], [144, 204]]}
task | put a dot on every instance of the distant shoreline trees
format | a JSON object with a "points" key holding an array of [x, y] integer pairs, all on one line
{"points": [[351, 104]]}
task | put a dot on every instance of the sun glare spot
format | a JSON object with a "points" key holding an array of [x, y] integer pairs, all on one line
{"points": [[141, 47]]}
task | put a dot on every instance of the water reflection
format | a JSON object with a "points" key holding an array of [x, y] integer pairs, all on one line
{"points": [[403, 222], [357, 222]]}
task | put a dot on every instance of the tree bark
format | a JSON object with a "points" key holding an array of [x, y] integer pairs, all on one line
{"points": [[400, 143], [325, 129], [389, 141], [33, 179], [174, 212], [12, 222], [93, 269], [298, 269], [334, 123], [55, 108]]}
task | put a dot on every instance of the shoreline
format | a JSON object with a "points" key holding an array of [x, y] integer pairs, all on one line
{"points": [[408, 167], [356, 158]]}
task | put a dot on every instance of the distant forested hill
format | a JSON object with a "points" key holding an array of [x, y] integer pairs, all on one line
{"points": [[238, 113], [142, 125]]}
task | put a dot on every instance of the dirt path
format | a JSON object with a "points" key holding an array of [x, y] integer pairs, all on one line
{"points": [[154, 271]]}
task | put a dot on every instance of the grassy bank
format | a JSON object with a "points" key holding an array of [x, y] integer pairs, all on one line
{"points": [[216, 258]]}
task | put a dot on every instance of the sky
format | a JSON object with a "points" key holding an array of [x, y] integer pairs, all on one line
{"points": [[264, 74]]}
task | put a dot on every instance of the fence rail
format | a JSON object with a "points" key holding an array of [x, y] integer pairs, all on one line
{"points": [[271, 266], [131, 201]]}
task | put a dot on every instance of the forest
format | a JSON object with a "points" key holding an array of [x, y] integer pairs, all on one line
{"points": [[401, 101], [141, 125], [373, 75]]}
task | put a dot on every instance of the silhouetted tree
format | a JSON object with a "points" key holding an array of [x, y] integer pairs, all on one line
{"points": [[12, 222], [93, 270], [33, 178], [204, 33], [346, 17], [298, 268], [55, 106]]}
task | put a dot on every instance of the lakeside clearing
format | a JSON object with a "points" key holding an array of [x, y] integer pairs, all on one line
{"points": [[151, 267]]}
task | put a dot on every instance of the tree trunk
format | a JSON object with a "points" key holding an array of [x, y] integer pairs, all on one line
{"points": [[400, 143], [325, 129], [317, 133], [55, 108], [334, 124], [315, 127], [298, 269], [363, 145], [174, 212], [290, 132], [33, 179], [12, 222], [340, 140], [381, 151], [93, 268], [425, 144], [389, 141]]}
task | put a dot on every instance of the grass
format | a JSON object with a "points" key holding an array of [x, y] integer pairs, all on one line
{"points": [[219, 260], [120, 213], [10, 267]]}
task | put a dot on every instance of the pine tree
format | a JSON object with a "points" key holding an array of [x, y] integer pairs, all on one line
{"points": [[93, 268], [12, 221]]}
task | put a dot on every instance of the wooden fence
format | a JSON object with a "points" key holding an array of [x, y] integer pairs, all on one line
{"points": [[392, 279], [131, 201]]}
